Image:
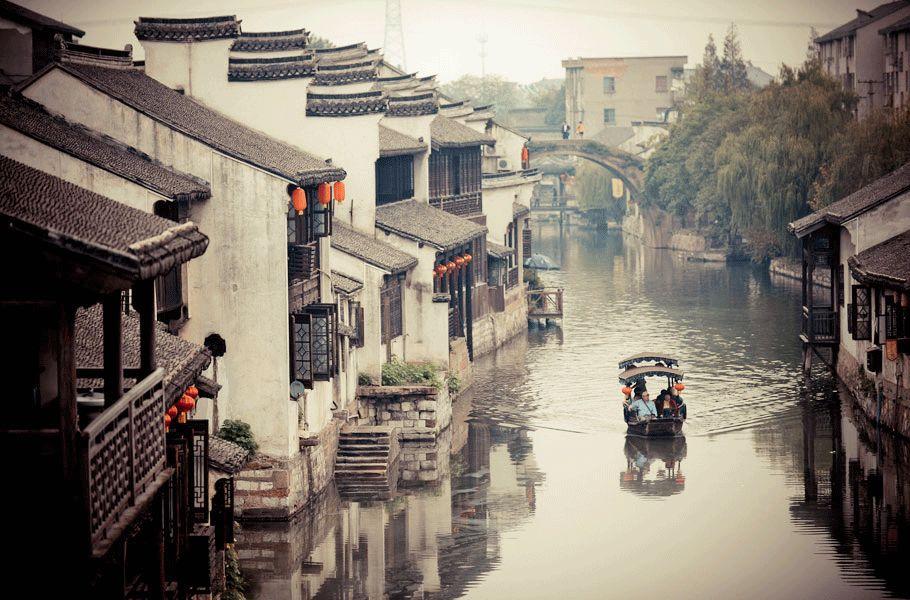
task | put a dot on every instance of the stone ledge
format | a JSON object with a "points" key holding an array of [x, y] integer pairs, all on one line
{"points": [[390, 391]]}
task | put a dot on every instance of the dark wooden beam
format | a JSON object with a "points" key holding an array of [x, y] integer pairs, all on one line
{"points": [[113, 348], [144, 293], [469, 310]]}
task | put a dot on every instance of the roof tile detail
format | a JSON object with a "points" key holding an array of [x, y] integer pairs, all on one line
{"points": [[886, 264], [413, 106], [139, 244], [448, 133], [210, 127], [271, 41], [420, 221], [182, 361], [31, 119], [226, 456], [346, 284], [345, 105], [866, 198], [187, 30], [393, 143], [370, 250], [265, 69]]}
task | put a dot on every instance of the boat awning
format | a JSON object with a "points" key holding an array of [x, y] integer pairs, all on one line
{"points": [[648, 357], [636, 374]]}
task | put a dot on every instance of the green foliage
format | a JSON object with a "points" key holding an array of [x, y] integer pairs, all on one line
{"points": [[594, 190], [453, 383], [239, 433], [235, 582], [364, 379], [544, 94], [492, 89], [398, 372], [319, 43]]}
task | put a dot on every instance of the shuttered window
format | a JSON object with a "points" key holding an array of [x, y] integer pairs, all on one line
{"points": [[862, 313], [314, 346], [390, 308], [394, 179]]}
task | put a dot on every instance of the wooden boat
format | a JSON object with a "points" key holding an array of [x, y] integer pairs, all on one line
{"points": [[635, 373]]}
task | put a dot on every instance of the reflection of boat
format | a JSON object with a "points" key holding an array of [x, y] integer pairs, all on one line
{"points": [[654, 466], [635, 374]]}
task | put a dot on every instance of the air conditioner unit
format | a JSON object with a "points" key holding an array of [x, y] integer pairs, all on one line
{"points": [[504, 164]]}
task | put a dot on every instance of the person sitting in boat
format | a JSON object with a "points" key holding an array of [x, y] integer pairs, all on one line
{"points": [[643, 408], [680, 403], [668, 406]]}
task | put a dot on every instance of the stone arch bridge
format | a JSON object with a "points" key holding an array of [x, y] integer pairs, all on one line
{"points": [[628, 167]]}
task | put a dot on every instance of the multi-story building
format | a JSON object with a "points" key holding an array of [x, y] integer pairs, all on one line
{"points": [[27, 41], [854, 53], [896, 79], [613, 92], [856, 281]]}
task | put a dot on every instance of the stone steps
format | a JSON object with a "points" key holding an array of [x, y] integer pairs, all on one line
{"points": [[363, 462]]}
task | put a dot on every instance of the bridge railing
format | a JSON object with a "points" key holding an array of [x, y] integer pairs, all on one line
{"points": [[545, 303]]}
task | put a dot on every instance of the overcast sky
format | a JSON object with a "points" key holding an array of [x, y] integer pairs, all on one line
{"points": [[526, 38]]}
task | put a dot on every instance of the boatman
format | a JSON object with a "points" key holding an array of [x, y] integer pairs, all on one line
{"points": [[643, 407]]}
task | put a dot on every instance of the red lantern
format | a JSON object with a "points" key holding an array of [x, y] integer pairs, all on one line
{"points": [[459, 261], [441, 270], [192, 392], [338, 190], [185, 404], [451, 266], [298, 200], [167, 421], [324, 194], [172, 412], [468, 258], [679, 387], [626, 391]]}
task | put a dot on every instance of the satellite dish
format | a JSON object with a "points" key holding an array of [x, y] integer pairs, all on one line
{"points": [[297, 390]]}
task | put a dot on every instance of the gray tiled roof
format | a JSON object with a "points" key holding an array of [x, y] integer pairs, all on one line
{"points": [[883, 10], [416, 105], [344, 73], [345, 284], [345, 105], [30, 119], [886, 264], [420, 221], [181, 360], [866, 198], [902, 25], [269, 68], [519, 210], [210, 127], [370, 250], [448, 133], [57, 213], [271, 41], [20, 14], [226, 456], [393, 143], [498, 250], [186, 30]]}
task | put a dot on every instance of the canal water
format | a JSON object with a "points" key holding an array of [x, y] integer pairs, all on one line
{"points": [[777, 491]]}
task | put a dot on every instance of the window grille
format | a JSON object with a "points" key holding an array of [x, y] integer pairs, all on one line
{"points": [[862, 313], [390, 308], [301, 349], [394, 179]]}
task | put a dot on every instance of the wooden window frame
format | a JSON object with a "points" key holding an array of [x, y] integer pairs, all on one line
{"points": [[394, 179], [862, 313], [391, 310]]}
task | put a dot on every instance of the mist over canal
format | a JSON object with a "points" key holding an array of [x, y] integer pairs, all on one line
{"points": [[778, 490]]}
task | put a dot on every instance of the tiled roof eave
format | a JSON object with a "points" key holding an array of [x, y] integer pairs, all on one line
{"points": [[872, 278], [302, 179], [402, 151]]}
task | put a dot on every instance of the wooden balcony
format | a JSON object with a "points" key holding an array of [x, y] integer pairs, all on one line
{"points": [[460, 204], [303, 292], [512, 278], [122, 459], [819, 326], [545, 304]]}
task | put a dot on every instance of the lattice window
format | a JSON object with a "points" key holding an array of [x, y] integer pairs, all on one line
{"points": [[301, 349], [315, 222], [862, 313], [324, 325], [390, 308], [198, 434], [223, 512], [841, 285]]}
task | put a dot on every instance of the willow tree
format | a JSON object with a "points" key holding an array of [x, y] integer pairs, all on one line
{"points": [[594, 192], [768, 170]]}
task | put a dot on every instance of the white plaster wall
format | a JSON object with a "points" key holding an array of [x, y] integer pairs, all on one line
{"points": [[871, 228], [370, 357], [39, 156], [497, 206], [200, 68], [238, 288]]}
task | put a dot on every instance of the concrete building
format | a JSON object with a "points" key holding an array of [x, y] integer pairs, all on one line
{"points": [[896, 79], [854, 53], [856, 294], [613, 92]]}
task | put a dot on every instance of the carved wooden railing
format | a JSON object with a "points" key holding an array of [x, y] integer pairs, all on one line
{"points": [[461, 204], [820, 324], [545, 303], [301, 293], [512, 278], [122, 454]]}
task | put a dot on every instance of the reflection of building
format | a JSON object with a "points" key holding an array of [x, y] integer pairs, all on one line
{"points": [[432, 542]]}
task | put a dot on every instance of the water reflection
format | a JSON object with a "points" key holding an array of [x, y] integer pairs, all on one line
{"points": [[653, 466], [778, 489]]}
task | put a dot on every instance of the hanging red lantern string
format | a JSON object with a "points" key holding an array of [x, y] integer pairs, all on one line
{"points": [[338, 191], [172, 412], [468, 258], [459, 261], [167, 421], [441, 270], [324, 193], [679, 387], [192, 392], [626, 391], [451, 266], [298, 200]]}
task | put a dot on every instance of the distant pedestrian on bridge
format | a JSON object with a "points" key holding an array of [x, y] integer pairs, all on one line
{"points": [[525, 157], [565, 130], [580, 130]]}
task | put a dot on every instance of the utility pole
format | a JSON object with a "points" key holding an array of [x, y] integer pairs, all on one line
{"points": [[393, 47], [483, 39]]}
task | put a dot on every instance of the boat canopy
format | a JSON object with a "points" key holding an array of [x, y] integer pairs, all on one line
{"points": [[648, 357], [636, 374]]}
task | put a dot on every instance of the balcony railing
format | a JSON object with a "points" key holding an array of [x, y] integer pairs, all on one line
{"points": [[819, 324], [460, 204], [301, 293], [545, 303], [122, 454], [512, 278]]}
